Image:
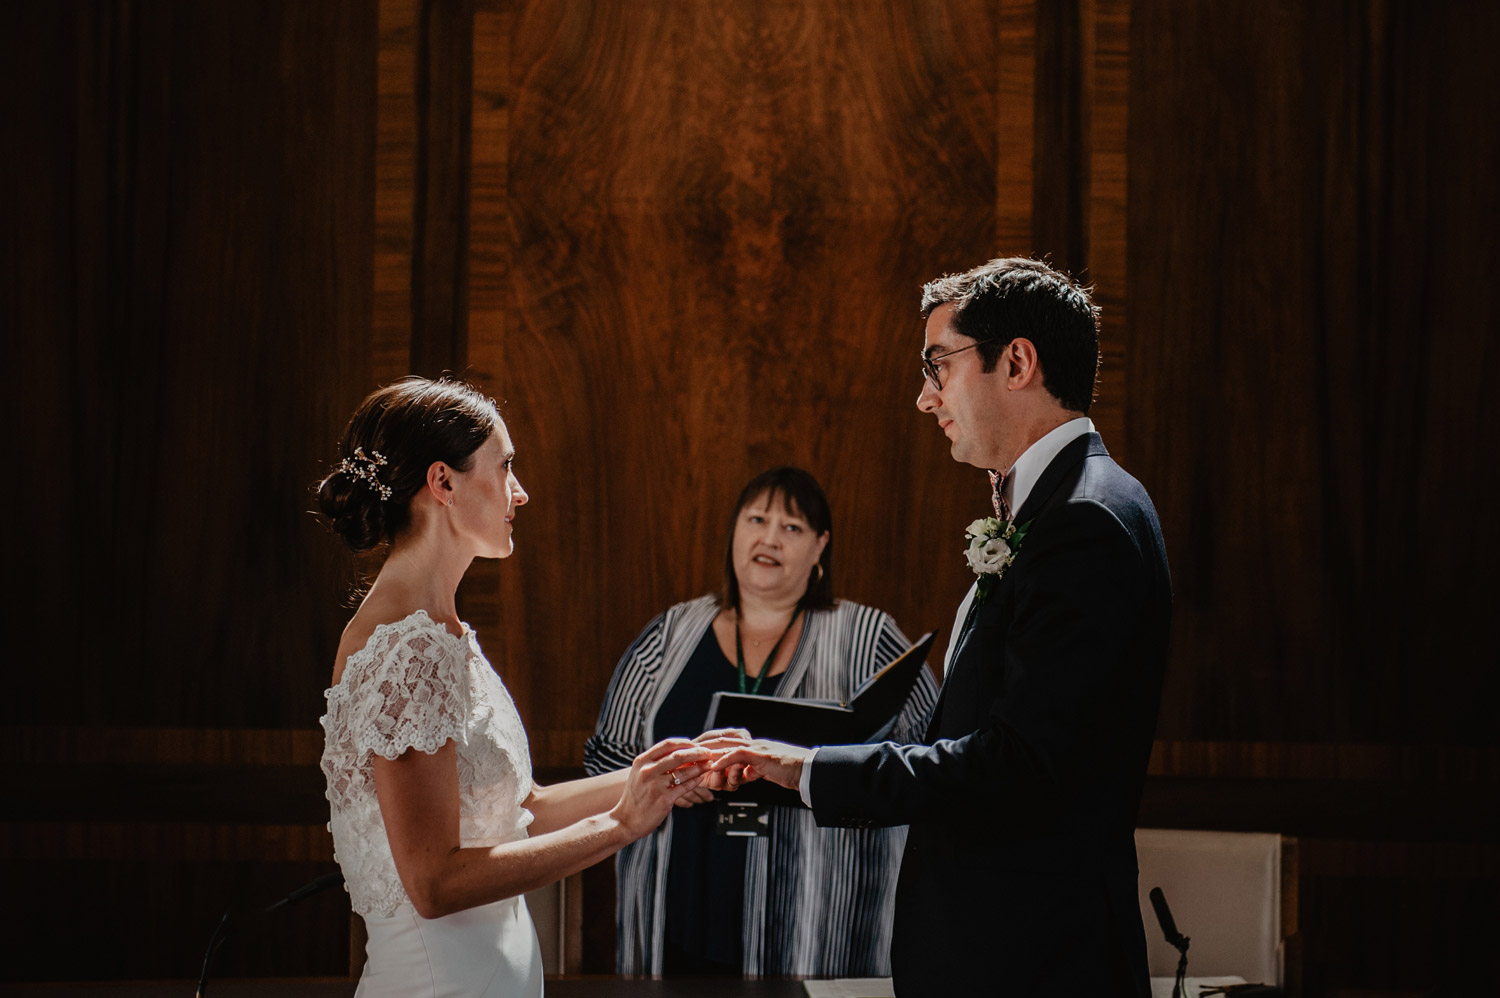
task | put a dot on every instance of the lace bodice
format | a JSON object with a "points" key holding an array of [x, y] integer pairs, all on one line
{"points": [[416, 685]]}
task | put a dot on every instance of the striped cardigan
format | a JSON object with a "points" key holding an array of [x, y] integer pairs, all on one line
{"points": [[818, 901]]}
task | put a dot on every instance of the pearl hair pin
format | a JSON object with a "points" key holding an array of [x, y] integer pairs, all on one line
{"points": [[363, 468]]}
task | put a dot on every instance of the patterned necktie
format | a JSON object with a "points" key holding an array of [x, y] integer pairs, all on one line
{"points": [[1002, 510], [997, 496]]}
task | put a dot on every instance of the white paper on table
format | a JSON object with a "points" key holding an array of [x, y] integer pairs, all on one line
{"points": [[858, 987], [1161, 987]]}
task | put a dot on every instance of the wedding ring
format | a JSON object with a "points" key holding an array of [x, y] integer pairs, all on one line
{"points": [[675, 780]]}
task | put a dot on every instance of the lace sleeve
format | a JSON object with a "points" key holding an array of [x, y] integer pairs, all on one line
{"points": [[414, 695]]}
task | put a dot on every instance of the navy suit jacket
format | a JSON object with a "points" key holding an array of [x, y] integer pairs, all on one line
{"points": [[1019, 874]]}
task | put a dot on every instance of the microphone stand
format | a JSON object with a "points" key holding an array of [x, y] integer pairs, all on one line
{"points": [[220, 936], [1179, 985], [1174, 938], [222, 930]]}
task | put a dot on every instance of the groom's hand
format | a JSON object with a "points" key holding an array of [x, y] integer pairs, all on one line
{"points": [[744, 759], [716, 782], [724, 740]]}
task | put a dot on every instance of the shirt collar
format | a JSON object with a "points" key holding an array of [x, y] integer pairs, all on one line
{"points": [[1023, 475]]}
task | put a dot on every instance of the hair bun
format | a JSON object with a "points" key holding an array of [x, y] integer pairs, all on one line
{"points": [[353, 511]]}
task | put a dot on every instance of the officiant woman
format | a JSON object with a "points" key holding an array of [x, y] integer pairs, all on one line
{"points": [[799, 900]]}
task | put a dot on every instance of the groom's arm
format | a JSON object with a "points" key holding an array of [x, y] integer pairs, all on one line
{"points": [[1067, 672]]}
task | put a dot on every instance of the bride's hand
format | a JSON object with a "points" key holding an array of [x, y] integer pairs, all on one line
{"points": [[702, 795], [664, 774]]}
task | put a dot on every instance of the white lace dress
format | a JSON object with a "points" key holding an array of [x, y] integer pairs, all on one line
{"points": [[416, 685]]}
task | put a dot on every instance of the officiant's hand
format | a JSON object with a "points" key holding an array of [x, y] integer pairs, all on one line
{"points": [[744, 759]]}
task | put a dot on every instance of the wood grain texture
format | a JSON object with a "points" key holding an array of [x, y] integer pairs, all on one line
{"points": [[1310, 340], [682, 242], [150, 919], [1079, 194], [1307, 381], [195, 299], [700, 235], [189, 244], [1108, 25], [1016, 111], [397, 193], [422, 187]]}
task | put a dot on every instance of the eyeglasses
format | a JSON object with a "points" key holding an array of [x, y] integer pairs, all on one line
{"points": [[929, 361]]}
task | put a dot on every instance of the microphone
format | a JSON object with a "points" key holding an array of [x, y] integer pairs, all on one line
{"points": [[322, 883], [1164, 918], [228, 923]]}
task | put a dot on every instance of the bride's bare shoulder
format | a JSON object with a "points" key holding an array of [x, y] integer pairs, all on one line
{"points": [[361, 627]]}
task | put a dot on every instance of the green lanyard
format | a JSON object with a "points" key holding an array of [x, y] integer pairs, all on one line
{"points": [[739, 651]]}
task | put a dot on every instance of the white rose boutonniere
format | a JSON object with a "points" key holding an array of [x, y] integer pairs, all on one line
{"points": [[992, 546]]}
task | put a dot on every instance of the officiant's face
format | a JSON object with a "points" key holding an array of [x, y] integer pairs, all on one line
{"points": [[970, 404], [775, 548]]}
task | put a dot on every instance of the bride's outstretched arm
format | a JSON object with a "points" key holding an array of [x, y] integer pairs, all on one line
{"points": [[561, 804], [418, 794]]}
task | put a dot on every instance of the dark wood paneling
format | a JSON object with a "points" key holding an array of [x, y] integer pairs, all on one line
{"points": [[422, 175], [124, 918], [1064, 71], [682, 242], [700, 235], [193, 195], [189, 234], [1312, 337], [139, 839]]}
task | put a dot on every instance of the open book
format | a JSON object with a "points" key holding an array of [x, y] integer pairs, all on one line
{"points": [[868, 716]]}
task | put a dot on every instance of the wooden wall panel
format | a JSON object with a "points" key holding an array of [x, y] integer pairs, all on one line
{"points": [[397, 192], [1079, 190], [1106, 266], [189, 304], [1312, 327], [1015, 109], [682, 242], [700, 233], [189, 245], [1311, 214]]}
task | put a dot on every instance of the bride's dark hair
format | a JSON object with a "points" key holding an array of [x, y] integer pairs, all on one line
{"points": [[392, 439]]}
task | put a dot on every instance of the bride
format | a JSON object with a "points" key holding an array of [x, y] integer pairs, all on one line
{"points": [[437, 823]]}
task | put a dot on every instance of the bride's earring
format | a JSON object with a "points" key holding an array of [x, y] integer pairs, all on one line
{"points": [[450, 500]]}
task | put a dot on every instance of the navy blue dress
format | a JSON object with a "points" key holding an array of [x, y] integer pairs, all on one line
{"points": [[705, 872]]}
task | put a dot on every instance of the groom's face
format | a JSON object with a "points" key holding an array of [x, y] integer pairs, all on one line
{"points": [[970, 404]]}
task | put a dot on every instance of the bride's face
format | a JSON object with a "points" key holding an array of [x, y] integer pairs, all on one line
{"points": [[485, 497]]}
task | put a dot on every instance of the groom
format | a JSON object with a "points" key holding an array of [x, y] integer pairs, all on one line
{"points": [[1019, 874]]}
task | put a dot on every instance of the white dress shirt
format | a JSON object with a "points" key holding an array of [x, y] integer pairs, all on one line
{"points": [[1019, 481]]}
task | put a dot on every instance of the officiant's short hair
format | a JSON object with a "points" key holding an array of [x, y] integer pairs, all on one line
{"points": [[1019, 297]]}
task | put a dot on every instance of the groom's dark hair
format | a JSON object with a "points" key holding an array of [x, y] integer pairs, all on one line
{"points": [[1015, 297]]}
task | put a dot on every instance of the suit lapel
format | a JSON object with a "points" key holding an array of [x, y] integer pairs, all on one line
{"points": [[1087, 445]]}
